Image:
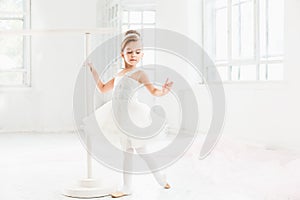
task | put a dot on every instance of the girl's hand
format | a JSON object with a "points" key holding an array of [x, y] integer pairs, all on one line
{"points": [[167, 87], [91, 66]]}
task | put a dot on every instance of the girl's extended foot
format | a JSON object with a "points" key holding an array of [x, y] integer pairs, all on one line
{"points": [[118, 194], [167, 186]]}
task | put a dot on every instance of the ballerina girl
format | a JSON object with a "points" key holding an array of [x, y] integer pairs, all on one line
{"points": [[131, 52]]}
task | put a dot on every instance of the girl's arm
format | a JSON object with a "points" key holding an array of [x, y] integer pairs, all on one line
{"points": [[102, 87], [155, 91]]}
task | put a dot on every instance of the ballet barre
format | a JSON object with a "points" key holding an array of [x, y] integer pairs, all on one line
{"points": [[70, 31]]}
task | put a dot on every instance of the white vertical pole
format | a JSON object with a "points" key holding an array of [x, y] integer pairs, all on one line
{"points": [[87, 106], [88, 187]]}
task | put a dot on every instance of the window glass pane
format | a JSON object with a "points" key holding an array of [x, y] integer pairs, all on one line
{"points": [[263, 28], [221, 34], [11, 24], [276, 25], [135, 27], [148, 17], [220, 4], [149, 26], [275, 71], [109, 14], [125, 17], [263, 72], [135, 17], [6, 62], [248, 73], [243, 30], [11, 52], [236, 35], [223, 73], [209, 29], [11, 16], [271, 32], [113, 12], [247, 30], [234, 2], [11, 5], [272, 58], [124, 28], [235, 73], [12, 46], [11, 78], [117, 10]]}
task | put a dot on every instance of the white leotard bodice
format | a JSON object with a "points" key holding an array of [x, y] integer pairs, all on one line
{"points": [[125, 86]]}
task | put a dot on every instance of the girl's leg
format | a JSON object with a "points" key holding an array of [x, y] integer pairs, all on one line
{"points": [[159, 176], [127, 165], [127, 177]]}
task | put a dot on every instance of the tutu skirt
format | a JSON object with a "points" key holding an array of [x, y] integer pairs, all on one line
{"points": [[139, 114]]}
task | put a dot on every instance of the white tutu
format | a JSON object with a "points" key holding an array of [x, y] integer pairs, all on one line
{"points": [[139, 114]]}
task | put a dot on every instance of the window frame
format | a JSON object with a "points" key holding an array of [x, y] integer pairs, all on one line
{"points": [[257, 59], [26, 66], [142, 24]]}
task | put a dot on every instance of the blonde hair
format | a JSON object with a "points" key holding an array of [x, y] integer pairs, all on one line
{"points": [[130, 36]]}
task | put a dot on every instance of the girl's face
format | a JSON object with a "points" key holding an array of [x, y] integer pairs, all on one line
{"points": [[132, 53]]}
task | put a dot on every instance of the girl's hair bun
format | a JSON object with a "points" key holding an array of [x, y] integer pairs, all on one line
{"points": [[132, 32], [130, 36]]}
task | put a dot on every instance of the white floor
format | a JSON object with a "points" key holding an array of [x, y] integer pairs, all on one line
{"points": [[40, 166]]}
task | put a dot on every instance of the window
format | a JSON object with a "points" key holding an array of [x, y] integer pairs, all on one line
{"points": [[244, 38], [138, 19], [14, 48]]}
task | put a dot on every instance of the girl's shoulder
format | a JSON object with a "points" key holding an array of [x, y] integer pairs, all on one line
{"points": [[122, 72]]}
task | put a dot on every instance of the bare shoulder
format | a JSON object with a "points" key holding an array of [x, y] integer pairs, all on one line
{"points": [[142, 77], [141, 73]]}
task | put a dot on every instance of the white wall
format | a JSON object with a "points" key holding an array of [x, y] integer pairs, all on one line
{"points": [[56, 60]]}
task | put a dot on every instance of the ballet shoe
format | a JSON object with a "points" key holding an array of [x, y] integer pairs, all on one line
{"points": [[118, 194], [164, 182], [167, 186]]}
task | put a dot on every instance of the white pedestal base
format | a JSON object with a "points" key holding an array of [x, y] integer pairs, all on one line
{"points": [[88, 188]]}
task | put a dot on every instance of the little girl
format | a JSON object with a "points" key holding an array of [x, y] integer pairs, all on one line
{"points": [[131, 52]]}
